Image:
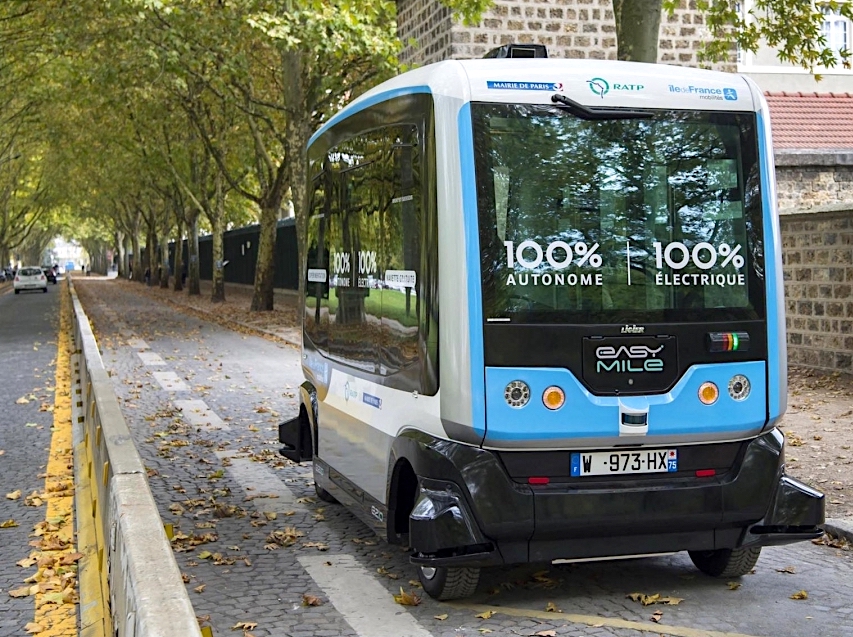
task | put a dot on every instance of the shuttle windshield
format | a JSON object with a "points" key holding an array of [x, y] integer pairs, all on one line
{"points": [[653, 220]]}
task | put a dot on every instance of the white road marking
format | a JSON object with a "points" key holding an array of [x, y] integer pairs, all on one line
{"points": [[137, 343], [170, 381], [257, 480], [198, 414], [363, 602], [151, 358]]}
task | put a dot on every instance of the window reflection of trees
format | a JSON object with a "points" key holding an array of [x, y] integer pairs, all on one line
{"points": [[677, 177]]}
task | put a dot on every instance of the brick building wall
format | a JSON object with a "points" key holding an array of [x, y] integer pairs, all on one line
{"points": [[818, 271], [811, 179], [578, 29]]}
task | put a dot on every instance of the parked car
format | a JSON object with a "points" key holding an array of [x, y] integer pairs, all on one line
{"points": [[49, 273], [2, 276], [30, 278]]}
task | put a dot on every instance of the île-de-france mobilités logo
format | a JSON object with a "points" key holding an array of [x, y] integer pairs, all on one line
{"points": [[599, 86]]}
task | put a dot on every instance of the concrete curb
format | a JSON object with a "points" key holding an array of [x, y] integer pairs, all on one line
{"points": [[840, 528]]}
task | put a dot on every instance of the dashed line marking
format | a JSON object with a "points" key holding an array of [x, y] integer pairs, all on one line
{"points": [[137, 343], [150, 358], [257, 480], [198, 414], [363, 603], [595, 621], [170, 381]]}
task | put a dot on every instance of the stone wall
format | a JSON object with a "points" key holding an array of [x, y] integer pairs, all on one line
{"points": [[578, 29], [818, 271], [807, 179]]}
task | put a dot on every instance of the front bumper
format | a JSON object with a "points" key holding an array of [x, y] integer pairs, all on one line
{"points": [[470, 511]]}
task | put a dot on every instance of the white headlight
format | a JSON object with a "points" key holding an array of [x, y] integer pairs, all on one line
{"points": [[739, 387], [517, 394]]}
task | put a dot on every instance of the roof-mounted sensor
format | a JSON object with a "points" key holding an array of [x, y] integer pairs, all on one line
{"points": [[518, 51]]}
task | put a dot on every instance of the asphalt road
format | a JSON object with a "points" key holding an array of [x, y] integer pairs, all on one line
{"points": [[203, 403], [29, 324]]}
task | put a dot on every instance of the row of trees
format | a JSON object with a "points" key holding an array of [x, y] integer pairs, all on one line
{"points": [[126, 123]]}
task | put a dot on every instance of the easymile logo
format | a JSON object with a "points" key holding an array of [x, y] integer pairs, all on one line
{"points": [[628, 359]]}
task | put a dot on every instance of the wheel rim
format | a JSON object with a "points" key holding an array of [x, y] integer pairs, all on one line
{"points": [[428, 572]]}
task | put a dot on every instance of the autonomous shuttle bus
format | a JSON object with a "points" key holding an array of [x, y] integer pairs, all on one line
{"points": [[543, 318]]}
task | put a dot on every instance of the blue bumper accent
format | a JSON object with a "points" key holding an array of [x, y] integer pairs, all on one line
{"points": [[584, 415]]}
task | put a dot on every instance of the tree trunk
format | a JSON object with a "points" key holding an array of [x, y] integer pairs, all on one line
{"points": [[121, 267], [217, 291], [179, 257], [163, 268], [137, 265], [194, 288], [150, 257], [637, 29], [262, 299]]}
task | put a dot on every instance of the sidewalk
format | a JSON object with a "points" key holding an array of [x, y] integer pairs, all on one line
{"points": [[281, 324]]}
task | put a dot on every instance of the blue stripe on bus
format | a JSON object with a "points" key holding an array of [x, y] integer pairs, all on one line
{"points": [[772, 282], [584, 415], [360, 106], [472, 266]]}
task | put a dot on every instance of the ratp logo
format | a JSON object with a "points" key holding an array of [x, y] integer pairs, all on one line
{"points": [[599, 86]]}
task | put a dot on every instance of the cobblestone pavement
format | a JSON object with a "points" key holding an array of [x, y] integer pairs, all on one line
{"points": [[29, 324], [257, 549]]}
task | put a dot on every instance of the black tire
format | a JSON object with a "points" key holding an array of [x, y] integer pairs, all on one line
{"points": [[726, 562], [45, 289], [17, 291], [445, 583], [324, 495]]}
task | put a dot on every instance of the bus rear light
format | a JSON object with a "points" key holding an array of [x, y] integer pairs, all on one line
{"points": [[708, 393], [739, 387], [554, 397], [517, 394]]}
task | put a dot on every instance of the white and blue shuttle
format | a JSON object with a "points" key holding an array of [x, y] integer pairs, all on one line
{"points": [[543, 318]]}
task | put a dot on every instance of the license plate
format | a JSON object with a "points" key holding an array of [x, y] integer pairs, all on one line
{"points": [[614, 463]]}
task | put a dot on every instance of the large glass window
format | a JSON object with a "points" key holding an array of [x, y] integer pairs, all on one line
{"points": [[364, 252], [649, 220]]}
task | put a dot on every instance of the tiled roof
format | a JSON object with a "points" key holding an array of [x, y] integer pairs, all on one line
{"points": [[811, 121]]}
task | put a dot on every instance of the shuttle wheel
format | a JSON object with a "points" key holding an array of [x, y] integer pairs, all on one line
{"points": [[445, 583], [726, 562]]}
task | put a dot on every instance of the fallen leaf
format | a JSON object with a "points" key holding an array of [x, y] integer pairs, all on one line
{"points": [[24, 591], [8, 524], [311, 600], [244, 626], [407, 599], [800, 595], [22, 401], [657, 616], [33, 628], [546, 633], [270, 515], [644, 599], [733, 586], [485, 615], [14, 495], [671, 601], [442, 617], [200, 588], [787, 569], [551, 607]]}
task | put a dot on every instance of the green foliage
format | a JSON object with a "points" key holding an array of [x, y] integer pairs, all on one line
{"points": [[791, 27]]}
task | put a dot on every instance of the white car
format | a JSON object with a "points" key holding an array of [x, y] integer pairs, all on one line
{"points": [[30, 278]]}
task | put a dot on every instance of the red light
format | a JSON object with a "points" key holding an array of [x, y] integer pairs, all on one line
{"points": [[706, 473], [537, 480]]}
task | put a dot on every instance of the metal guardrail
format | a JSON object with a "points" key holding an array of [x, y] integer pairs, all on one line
{"points": [[147, 597]]}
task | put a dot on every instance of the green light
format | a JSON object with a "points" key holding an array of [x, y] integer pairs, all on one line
{"points": [[734, 341]]}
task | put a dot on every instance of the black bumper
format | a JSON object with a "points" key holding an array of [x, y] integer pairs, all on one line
{"points": [[472, 511]]}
